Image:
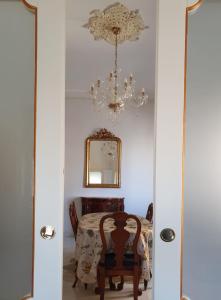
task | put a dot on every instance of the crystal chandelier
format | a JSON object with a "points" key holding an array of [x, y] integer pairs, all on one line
{"points": [[116, 24]]}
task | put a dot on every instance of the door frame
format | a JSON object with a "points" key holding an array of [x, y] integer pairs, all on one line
{"points": [[49, 181]]}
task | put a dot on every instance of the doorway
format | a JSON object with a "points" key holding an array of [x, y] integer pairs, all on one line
{"points": [[89, 60]]}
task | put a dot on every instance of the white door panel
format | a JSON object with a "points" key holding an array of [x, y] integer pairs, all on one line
{"points": [[17, 78], [50, 148], [169, 143], [29, 28]]}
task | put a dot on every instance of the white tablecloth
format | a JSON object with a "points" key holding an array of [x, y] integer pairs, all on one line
{"points": [[89, 246]]}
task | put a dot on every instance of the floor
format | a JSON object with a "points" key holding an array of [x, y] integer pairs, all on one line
{"points": [[79, 293]]}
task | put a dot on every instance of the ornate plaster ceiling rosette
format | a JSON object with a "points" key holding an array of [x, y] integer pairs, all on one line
{"points": [[101, 24]]}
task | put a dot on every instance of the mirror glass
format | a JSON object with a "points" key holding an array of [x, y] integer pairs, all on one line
{"points": [[103, 162], [17, 84], [202, 205], [103, 154]]}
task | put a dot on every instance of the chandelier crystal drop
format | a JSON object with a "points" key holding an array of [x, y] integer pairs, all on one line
{"points": [[115, 25]]}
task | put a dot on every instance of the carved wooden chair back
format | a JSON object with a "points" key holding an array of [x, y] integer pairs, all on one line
{"points": [[119, 237], [73, 218], [149, 215]]}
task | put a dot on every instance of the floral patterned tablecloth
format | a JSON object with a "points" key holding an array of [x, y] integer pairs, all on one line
{"points": [[88, 245]]}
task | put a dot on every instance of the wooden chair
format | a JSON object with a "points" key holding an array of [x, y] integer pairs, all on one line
{"points": [[74, 224], [149, 215], [73, 218], [119, 262]]}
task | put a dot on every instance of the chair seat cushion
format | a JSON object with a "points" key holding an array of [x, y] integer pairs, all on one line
{"points": [[128, 261]]}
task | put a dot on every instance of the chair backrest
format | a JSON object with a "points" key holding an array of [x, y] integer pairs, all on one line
{"points": [[73, 218], [149, 215], [119, 237]]}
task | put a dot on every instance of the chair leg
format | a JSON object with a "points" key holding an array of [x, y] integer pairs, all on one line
{"points": [[135, 285], [102, 287], [75, 271], [146, 281], [145, 284], [101, 283], [139, 290], [111, 284], [120, 285], [75, 282], [85, 286], [136, 281]]}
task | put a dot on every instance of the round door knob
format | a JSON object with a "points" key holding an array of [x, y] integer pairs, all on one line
{"points": [[47, 232], [167, 235]]}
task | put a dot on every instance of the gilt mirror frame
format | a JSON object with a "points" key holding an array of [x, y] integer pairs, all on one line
{"points": [[102, 135]]}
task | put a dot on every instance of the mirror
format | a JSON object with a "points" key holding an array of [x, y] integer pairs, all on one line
{"points": [[103, 154]]}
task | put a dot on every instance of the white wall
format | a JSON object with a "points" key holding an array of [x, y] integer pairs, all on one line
{"points": [[202, 215], [135, 128]]}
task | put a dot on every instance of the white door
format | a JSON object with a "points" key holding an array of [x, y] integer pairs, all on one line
{"points": [[32, 76], [169, 145], [34, 30], [202, 245]]}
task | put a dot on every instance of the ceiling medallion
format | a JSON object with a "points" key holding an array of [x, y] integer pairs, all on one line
{"points": [[116, 24], [130, 24]]}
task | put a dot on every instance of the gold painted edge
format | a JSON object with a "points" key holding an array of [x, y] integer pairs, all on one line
{"points": [[34, 10], [195, 6], [27, 297], [29, 6], [189, 9], [183, 157]]}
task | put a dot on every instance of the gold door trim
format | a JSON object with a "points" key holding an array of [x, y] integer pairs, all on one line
{"points": [[34, 10], [189, 9], [194, 6]]}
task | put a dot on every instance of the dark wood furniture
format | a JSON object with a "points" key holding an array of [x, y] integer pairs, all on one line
{"points": [[74, 224], [73, 218], [149, 215], [120, 261], [96, 204]]}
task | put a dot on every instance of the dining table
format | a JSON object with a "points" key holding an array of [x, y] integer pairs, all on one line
{"points": [[89, 245]]}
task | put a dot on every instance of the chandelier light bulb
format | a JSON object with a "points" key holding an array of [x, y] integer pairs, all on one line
{"points": [[98, 83], [92, 91], [131, 78], [111, 76], [125, 84]]}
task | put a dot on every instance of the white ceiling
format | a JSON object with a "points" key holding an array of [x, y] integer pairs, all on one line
{"points": [[87, 60]]}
